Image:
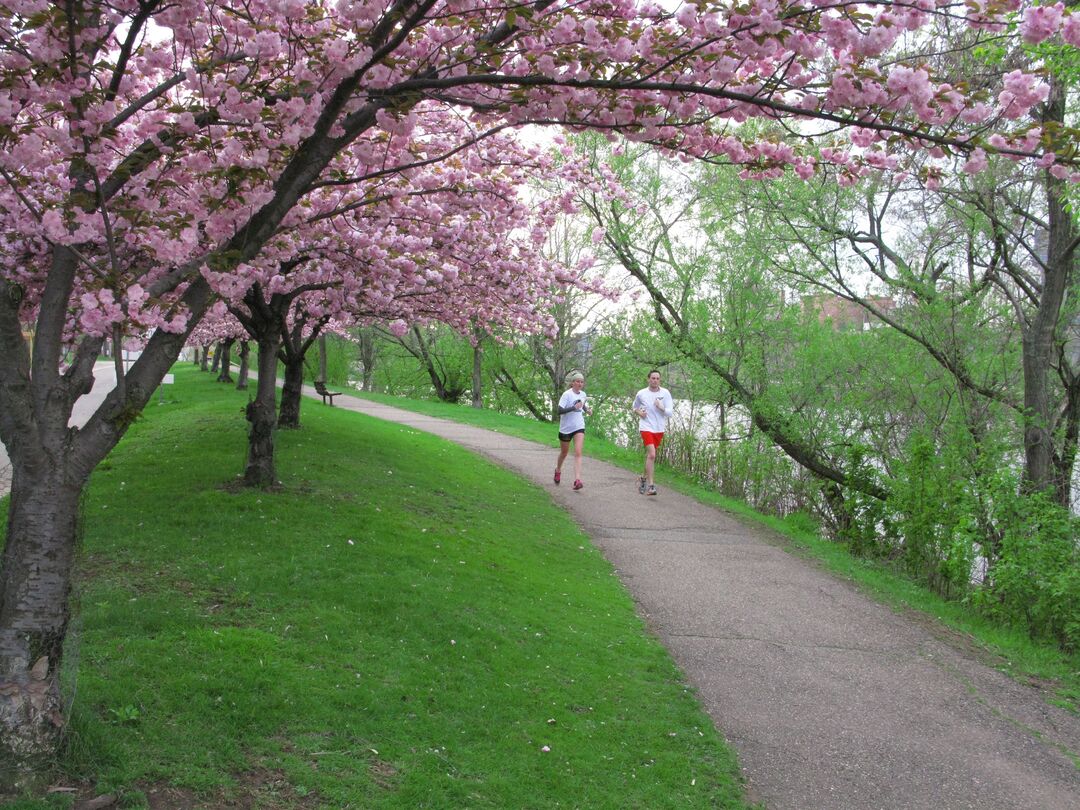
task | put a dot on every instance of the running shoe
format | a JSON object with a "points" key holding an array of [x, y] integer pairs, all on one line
{"points": [[641, 485], [578, 484], [651, 490], [558, 476]]}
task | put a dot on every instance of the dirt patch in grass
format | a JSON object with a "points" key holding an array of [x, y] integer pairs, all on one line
{"points": [[383, 773], [268, 788], [90, 566], [256, 789], [238, 487]]}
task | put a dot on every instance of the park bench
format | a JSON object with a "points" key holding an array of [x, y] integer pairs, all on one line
{"points": [[321, 390]]}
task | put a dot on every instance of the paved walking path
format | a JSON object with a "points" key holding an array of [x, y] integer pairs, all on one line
{"points": [[832, 701]]}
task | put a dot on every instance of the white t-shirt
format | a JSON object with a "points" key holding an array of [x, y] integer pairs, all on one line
{"points": [[655, 420], [575, 419]]}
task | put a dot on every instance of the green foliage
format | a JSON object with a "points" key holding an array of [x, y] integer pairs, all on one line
{"points": [[921, 408], [859, 516], [125, 714], [935, 517], [1036, 578], [945, 534], [403, 372], [340, 361]]}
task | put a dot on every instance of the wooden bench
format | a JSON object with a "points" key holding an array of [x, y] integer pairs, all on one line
{"points": [[320, 389]]}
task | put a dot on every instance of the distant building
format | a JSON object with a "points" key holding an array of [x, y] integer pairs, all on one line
{"points": [[844, 314]]}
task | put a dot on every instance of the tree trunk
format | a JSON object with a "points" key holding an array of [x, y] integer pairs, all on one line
{"points": [[226, 360], [51, 463], [204, 363], [505, 377], [368, 353], [242, 373], [446, 390], [1066, 457], [556, 370], [196, 355], [291, 391], [260, 470], [477, 380], [34, 581], [1038, 345], [322, 358]]}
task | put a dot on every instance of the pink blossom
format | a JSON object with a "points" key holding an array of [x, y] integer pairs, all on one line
{"points": [[437, 229], [1070, 30], [1041, 22], [864, 136], [687, 15], [976, 163], [1021, 92], [909, 85], [976, 114], [53, 225]]}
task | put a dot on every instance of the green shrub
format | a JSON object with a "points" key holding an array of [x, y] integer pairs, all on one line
{"points": [[1036, 577], [935, 517]]}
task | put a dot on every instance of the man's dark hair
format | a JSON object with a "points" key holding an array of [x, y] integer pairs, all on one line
{"points": [[653, 371]]}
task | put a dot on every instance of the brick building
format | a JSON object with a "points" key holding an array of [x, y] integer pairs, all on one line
{"points": [[844, 314]]}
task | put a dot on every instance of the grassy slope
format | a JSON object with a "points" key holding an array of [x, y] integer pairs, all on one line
{"points": [[1009, 649], [403, 625]]}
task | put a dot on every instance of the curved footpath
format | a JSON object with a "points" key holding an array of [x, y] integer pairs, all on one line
{"points": [[831, 700]]}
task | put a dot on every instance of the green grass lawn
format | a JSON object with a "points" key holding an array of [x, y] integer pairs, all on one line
{"points": [[1009, 649], [403, 625]]}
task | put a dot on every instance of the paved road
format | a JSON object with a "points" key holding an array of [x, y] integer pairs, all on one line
{"points": [[832, 701]]}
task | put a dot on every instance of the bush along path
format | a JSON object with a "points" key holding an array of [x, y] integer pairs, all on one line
{"points": [[831, 699]]}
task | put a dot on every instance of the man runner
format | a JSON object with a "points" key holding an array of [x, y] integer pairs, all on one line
{"points": [[653, 407]]}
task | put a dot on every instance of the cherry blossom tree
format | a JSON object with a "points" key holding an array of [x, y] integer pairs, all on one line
{"points": [[454, 243], [157, 156], [218, 329]]}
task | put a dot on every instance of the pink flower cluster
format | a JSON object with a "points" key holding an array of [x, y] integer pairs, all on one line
{"points": [[364, 162]]}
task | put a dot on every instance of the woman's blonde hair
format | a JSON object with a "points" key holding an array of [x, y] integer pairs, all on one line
{"points": [[574, 375]]}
